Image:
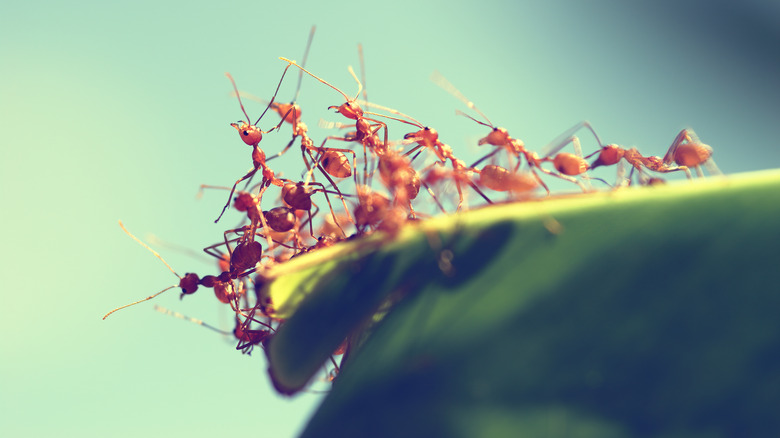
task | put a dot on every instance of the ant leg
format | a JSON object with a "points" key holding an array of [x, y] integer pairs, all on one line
{"points": [[538, 178], [333, 213], [476, 189], [678, 140], [190, 319], [289, 145], [266, 228], [434, 198], [561, 140], [490, 154], [322, 150], [563, 177], [566, 165], [319, 154], [250, 174], [211, 250], [335, 187]]}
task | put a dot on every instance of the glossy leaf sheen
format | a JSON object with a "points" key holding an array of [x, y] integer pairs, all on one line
{"points": [[648, 312]]}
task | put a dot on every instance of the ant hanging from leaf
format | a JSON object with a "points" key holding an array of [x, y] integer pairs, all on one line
{"points": [[188, 284]]}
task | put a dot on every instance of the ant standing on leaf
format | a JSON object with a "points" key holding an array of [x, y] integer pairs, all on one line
{"points": [[686, 151]]}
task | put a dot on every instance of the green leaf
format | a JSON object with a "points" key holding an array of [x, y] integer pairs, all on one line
{"points": [[642, 312]]}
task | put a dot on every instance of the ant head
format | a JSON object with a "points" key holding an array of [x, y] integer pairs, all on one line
{"points": [[250, 134], [189, 283], [244, 201], [426, 136], [349, 109], [497, 137]]}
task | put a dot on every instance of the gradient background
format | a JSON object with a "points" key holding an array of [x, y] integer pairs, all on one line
{"points": [[116, 111]]}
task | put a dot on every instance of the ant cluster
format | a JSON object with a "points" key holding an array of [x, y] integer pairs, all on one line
{"points": [[412, 165]]}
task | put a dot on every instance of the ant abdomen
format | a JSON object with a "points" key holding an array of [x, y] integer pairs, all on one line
{"points": [[570, 164], [280, 219], [336, 164]]}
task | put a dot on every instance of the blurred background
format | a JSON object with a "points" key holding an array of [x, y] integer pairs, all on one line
{"points": [[121, 111]]}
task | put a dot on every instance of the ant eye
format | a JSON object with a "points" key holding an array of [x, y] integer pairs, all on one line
{"points": [[246, 133], [427, 128]]}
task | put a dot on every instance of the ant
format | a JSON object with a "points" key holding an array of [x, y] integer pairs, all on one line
{"points": [[500, 179], [252, 135], [366, 127], [188, 284], [460, 174], [566, 164], [686, 150]]}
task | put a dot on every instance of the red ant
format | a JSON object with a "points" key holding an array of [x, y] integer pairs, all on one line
{"points": [[366, 127], [401, 179], [686, 150], [252, 135], [566, 164], [460, 174], [188, 284]]}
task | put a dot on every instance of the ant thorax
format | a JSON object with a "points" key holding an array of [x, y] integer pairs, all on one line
{"points": [[350, 110]]}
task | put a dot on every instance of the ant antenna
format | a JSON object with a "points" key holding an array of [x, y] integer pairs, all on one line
{"points": [[439, 79], [238, 95], [303, 63], [360, 85], [351, 71], [363, 71], [190, 319], [156, 255]]}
